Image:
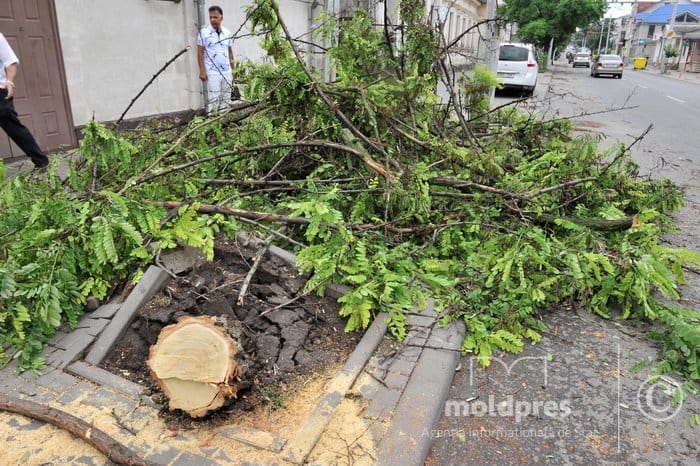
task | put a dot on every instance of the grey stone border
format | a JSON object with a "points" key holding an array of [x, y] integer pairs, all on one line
{"points": [[151, 282], [423, 398]]}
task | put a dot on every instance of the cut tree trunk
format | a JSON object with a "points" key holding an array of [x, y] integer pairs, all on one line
{"points": [[194, 363]]}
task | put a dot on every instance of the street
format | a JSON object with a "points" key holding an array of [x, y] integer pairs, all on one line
{"points": [[672, 106], [582, 395]]}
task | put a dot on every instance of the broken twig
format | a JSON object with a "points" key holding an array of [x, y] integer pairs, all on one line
{"points": [[254, 268]]}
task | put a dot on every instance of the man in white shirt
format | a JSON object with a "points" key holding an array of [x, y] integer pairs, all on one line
{"points": [[215, 57], [8, 116]]}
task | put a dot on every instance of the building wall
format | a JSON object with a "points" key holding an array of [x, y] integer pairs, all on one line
{"points": [[111, 49]]}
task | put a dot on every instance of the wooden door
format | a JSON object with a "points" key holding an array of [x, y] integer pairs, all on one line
{"points": [[41, 98]]}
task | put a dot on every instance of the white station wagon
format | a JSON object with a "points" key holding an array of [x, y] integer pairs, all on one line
{"points": [[517, 67]]}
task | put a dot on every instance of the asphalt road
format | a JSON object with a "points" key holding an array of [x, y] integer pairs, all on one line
{"points": [[672, 106], [574, 398]]}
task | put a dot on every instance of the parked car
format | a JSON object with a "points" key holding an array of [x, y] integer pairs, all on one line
{"points": [[582, 59], [517, 67], [607, 64]]}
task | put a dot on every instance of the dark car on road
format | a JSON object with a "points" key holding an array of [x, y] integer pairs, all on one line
{"points": [[609, 65]]}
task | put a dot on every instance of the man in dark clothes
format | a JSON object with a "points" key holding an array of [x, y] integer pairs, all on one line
{"points": [[8, 116]]}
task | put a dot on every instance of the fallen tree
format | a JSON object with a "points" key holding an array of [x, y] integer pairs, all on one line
{"points": [[388, 188]]}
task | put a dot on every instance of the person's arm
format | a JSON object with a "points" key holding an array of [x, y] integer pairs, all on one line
{"points": [[231, 60], [9, 84], [200, 60]]}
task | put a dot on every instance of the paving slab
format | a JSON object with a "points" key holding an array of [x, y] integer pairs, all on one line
{"points": [[254, 437]]}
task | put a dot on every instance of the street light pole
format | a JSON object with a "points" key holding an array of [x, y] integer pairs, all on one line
{"points": [[671, 25]]}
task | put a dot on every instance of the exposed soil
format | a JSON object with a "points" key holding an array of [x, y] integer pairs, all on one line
{"points": [[286, 343]]}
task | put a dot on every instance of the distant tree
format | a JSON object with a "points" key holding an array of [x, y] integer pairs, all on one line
{"points": [[541, 20], [670, 51]]}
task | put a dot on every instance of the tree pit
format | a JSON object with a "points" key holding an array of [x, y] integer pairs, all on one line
{"points": [[287, 337]]}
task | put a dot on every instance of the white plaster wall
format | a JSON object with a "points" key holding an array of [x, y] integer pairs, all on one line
{"points": [[246, 47], [112, 48]]}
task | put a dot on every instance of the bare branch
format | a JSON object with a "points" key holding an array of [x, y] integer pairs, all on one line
{"points": [[113, 450], [628, 148], [153, 78], [566, 184], [254, 268], [252, 215], [245, 150]]}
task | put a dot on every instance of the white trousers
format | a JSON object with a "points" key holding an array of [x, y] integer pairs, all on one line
{"points": [[218, 90]]}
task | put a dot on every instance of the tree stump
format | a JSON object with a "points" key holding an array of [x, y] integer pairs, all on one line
{"points": [[194, 363]]}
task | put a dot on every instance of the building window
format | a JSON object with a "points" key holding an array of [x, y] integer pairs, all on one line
{"points": [[650, 32]]}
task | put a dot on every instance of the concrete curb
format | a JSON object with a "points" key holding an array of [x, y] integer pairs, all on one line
{"points": [[151, 282], [309, 433], [423, 399], [672, 74]]}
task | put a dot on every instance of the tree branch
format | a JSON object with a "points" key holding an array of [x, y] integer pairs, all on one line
{"points": [[249, 214], [566, 184], [455, 183], [627, 149], [244, 150], [153, 78], [254, 268], [113, 450], [140, 179], [317, 86]]}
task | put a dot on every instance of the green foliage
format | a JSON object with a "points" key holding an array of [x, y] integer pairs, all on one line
{"points": [[670, 51], [542, 57], [541, 20], [512, 233], [60, 247], [477, 89]]}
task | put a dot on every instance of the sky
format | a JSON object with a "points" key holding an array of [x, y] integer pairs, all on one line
{"points": [[617, 9]]}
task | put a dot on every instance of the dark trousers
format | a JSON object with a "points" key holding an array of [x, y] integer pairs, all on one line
{"points": [[18, 132]]}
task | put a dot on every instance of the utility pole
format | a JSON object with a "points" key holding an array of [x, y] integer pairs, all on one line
{"points": [[607, 39], [672, 24], [632, 29], [491, 42], [600, 36]]}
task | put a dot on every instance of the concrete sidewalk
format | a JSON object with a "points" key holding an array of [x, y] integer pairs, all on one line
{"points": [[672, 74]]}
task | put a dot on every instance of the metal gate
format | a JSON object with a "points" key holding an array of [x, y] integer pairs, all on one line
{"points": [[41, 98]]}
